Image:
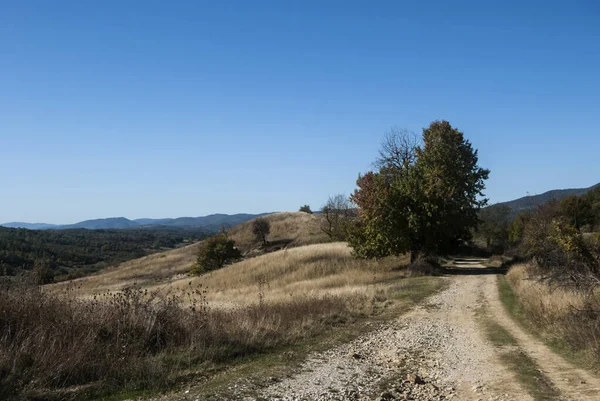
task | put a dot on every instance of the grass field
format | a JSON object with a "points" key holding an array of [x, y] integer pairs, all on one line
{"points": [[146, 324]]}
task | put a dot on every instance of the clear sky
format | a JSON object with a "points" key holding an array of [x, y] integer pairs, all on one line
{"points": [[173, 108]]}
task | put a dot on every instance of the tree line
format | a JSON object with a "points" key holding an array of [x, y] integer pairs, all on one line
{"points": [[502, 230], [66, 254]]}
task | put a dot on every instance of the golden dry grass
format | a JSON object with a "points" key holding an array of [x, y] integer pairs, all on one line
{"points": [[171, 321], [567, 318], [159, 267], [291, 228], [294, 228], [549, 303], [306, 271]]}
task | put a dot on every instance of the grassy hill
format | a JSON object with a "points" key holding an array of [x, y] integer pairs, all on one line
{"points": [[157, 322], [290, 229]]}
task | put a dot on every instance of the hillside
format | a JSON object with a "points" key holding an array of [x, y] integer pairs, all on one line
{"points": [[76, 252], [529, 202], [29, 226], [102, 224], [290, 229]]}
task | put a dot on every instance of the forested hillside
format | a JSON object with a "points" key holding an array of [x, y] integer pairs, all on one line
{"points": [[530, 202], [72, 253]]}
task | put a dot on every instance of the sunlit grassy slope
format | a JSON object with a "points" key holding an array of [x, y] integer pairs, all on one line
{"points": [[287, 229]]}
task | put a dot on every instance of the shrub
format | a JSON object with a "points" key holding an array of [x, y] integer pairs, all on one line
{"points": [[561, 253], [214, 253], [305, 209]]}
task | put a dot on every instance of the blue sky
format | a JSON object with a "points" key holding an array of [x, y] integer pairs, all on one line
{"points": [[165, 109]]}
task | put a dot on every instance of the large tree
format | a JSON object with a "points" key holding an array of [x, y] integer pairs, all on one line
{"points": [[422, 198]]}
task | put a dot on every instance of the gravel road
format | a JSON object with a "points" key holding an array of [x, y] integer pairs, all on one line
{"points": [[437, 351]]}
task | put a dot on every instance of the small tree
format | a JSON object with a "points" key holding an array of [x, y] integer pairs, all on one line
{"points": [[337, 215], [261, 228], [214, 253], [306, 209]]}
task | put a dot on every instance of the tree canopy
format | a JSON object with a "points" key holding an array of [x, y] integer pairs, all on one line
{"points": [[261, 228], [423, 197]]}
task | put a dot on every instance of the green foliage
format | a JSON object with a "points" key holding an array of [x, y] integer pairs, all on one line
{"points": [[560, 251], [424, 198], [516, 229], [76, 252], [261, 228], [306, 209], [494, 222], [577, 210], [214, 253]]}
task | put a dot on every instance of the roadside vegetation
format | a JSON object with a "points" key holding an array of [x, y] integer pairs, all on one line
{"points": [[555, 291]]}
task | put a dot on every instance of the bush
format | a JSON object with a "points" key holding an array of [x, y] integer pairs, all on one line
{"points": [[214, 253], [305, 209], [561, 253]]}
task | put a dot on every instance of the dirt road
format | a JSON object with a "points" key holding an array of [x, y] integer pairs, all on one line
{"points": [[438, 351], [441, 350]]}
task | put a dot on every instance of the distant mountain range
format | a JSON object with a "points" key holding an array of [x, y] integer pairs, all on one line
{"points": [[214, 222], [529, 202], [211, 222]]}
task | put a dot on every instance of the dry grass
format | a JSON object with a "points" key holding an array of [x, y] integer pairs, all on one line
{"points": [[289, 229], [94, 338], [57, 346], [568, 319], [311, 270], [150, 269]]}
